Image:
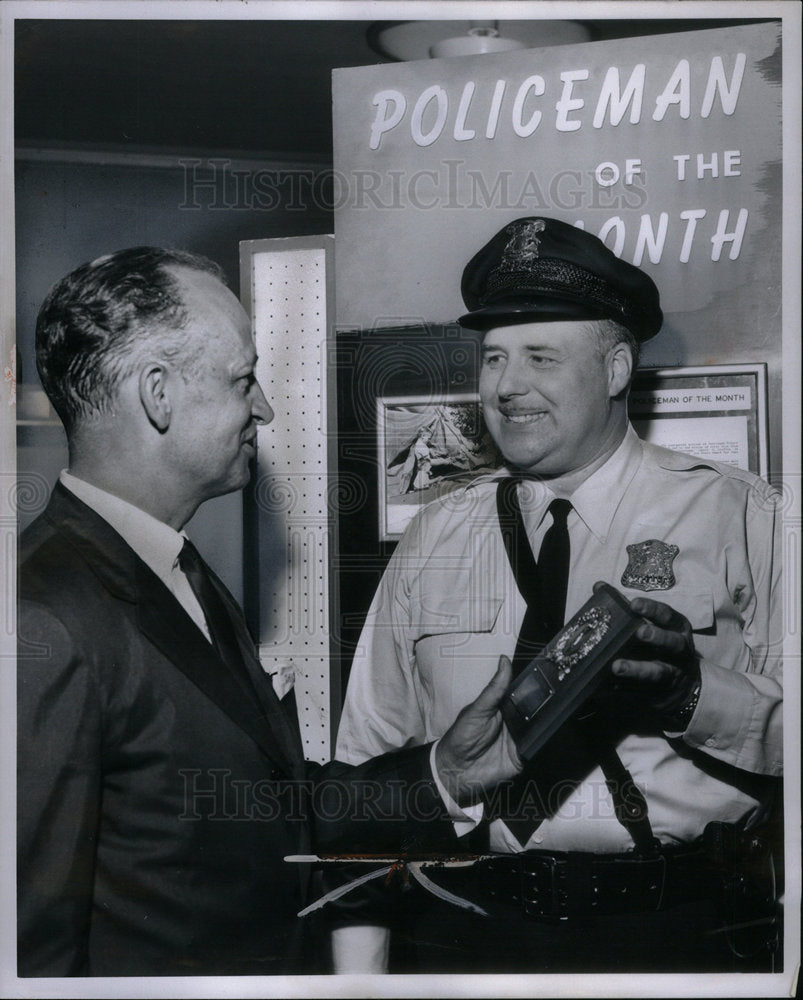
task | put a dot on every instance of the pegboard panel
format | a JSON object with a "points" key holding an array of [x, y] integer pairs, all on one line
{"points": [[289, 291]]}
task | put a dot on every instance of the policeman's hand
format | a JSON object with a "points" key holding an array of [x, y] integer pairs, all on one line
{"points": [[662, 664], [478, 752]]}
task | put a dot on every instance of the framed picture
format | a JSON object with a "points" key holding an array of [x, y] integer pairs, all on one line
{"points": [[718, 412], [427, 447]]}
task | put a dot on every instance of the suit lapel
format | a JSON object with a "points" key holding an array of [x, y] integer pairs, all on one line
{"points": [[166, 624], [262, 684]]}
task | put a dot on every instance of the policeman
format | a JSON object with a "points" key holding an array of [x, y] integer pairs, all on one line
{"points": [[597, 860]]}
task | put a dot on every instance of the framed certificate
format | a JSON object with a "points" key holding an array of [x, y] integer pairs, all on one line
{"points": [[718, 412]]}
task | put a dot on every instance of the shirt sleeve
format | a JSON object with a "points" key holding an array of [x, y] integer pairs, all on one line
{"points": [[738, 718], [383, 707], [464, 819]]}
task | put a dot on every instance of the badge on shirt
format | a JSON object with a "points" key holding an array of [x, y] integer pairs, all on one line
{"points": [[650, 565]]}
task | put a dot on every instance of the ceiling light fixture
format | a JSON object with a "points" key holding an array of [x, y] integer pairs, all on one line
{"points": [[409, 40]]}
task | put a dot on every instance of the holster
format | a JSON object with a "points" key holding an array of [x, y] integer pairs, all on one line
{"points": [[749, 878]]}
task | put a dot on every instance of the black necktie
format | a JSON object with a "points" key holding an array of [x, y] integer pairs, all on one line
{"points": [[546, 606], [218, 618], [578, 746]]}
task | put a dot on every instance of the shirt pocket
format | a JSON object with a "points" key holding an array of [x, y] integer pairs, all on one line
{"points": [[447, 615], [696, 606], [456, 642]]}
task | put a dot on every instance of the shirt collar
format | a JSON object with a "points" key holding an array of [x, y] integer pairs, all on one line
{"points": [[598, 497], [595, 500], [156, 543]]}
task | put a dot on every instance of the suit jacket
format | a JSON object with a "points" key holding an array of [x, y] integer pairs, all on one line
{"points": [[158, 793]]}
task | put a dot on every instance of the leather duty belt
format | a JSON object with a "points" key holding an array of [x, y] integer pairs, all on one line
{"points": [[564, 885]]}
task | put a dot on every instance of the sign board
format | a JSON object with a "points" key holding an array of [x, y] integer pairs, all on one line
{"points": [[668, 147]]}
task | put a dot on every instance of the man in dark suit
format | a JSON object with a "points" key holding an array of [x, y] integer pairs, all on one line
{"points": [[161, 782]]}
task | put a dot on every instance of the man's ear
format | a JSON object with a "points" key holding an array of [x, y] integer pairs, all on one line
{"points": [[620, 368], [154, 395]]}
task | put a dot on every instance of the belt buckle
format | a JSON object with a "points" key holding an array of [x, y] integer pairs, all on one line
{"points": [[541, 893]]}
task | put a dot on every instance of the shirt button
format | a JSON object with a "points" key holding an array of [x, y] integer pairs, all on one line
{"points": [[538, 840], [710, 742]]}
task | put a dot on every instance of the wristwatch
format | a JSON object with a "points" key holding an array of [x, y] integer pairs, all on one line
{"points": [[680, 718]]}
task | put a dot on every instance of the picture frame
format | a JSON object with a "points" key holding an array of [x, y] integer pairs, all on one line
{"points": [[718, 412], [427, 447]]}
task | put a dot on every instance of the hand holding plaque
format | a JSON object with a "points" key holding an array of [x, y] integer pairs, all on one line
{"points": [[661, 666], [570, 668]]}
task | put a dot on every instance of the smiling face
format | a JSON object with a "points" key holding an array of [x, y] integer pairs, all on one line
{"points": [[218, 403], [548, 393]]}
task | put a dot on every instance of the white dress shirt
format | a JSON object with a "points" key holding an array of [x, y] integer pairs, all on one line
{"points": [[156, 543]]}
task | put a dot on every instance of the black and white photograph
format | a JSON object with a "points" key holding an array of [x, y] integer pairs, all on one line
{"points": [[428, 448], [401, 498]]}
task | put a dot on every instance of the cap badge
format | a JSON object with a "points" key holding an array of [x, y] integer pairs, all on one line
{"points": [[523, 246], [650, 565]]}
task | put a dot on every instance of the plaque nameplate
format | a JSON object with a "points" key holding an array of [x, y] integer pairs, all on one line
{"points": [[569, 669]]}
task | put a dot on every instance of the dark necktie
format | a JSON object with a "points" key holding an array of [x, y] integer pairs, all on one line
{"points": [[578, 746], [546, 606], [218, 618]]}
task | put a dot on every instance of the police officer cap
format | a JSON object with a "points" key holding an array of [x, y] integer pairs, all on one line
{"points": [[536, 270]]}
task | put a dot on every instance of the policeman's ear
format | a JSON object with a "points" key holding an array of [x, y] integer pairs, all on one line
{"points": [[154, 394], [620, 369]]}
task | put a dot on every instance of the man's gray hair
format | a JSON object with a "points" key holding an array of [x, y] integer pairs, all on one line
{"points": [[96, 323], [609, 333]]}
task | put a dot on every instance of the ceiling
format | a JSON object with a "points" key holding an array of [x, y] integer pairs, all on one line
{"points": [[246, 87]]}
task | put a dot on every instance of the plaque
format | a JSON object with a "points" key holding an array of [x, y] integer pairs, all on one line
{"points": [[569, 669]]}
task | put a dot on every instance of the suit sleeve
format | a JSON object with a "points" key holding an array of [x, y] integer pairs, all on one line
{"points": [[390, 803], [58, 788]]}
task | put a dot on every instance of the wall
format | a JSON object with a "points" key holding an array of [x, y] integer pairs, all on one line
{"points": [[74, 205]]}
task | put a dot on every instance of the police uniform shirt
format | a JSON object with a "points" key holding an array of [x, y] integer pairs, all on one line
{"points": [[448, 606]]}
